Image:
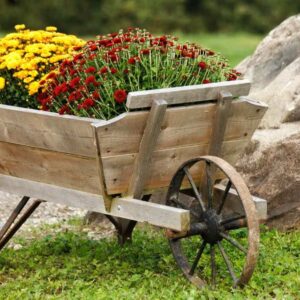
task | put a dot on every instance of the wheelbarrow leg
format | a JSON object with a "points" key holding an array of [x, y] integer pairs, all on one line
{"points": [[9, 228], [125, 227]]}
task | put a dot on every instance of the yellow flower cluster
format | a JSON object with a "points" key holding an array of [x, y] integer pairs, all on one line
{"points": [[2, 83], [30, 54]]}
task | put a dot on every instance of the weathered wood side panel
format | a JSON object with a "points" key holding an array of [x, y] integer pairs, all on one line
{"points": [[61, 169], [46, 130], [57, 150], [187, 138], [182, 126]]}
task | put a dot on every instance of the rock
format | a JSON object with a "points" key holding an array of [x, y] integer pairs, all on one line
{"points": [[94, 218], [274, 70], [271, 169]]}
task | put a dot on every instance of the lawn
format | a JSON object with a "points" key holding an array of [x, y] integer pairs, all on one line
{"points": [[234, 46], [69, 265]]}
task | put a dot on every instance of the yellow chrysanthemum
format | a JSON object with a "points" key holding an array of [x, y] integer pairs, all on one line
{"points": [[20, 27], [28, 55], [33, 88], [2, 83], [28, 79], [51, 28]]}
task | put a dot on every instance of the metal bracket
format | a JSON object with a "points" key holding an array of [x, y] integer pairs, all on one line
{"points": [[9, 228]]}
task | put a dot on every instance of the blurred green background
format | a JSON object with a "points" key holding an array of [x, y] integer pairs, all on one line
{"points": [[233, 27], [99, 16]]}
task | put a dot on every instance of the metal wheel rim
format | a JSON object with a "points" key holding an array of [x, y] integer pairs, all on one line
{"points": [[250, 212]]}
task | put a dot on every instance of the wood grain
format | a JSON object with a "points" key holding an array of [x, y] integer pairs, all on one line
{"points": [[148, 142], [70, 171], [47, 157], [46, 130], [155, 214], [182, 126], [187, 94]]}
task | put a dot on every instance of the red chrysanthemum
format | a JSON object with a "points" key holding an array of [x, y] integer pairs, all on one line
{"points": [[73, 72], [78, 57], [202, 65], [103, 70], [232, 77], [57, 90], [64, 87], [64, 109], [113, 70], [93, 47], [145, 51], [74, 82], [133, 60], [90, 79], [88, 103], [120, 96], [96, 95], [205, 81], [90, 70]]}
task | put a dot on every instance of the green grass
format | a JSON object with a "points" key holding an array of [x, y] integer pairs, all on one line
{"points": [[68, 265], [234, 46]]}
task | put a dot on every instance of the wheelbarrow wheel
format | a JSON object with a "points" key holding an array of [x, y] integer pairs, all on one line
{"points": [[221, 244]]}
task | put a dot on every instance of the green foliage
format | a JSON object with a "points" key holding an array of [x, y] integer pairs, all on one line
{"points": [[71, 266], [95, 16], [96, 81]]}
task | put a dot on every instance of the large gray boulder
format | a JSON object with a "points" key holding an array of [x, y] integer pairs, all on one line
{"points": [[271, 168], [274, 70], [271, 163]]}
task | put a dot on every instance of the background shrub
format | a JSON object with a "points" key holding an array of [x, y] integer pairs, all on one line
{"points": [[102, 16]]}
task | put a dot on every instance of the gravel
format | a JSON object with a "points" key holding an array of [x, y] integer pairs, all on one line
{"points": [[46, 213]]}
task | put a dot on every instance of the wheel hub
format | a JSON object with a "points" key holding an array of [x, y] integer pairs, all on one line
{"points": [[212, 233]]}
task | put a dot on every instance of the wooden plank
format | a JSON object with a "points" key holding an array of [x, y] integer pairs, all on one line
{"points": [[70, 171], [223, 110], [164, 164], [155, 214], [260, 204], [220, 123], [142, 162], [187, 94], [102, 183], [182, 126], [46, 130]]}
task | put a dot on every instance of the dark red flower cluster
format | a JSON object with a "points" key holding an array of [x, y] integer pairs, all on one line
{"points": [[97, 80]]}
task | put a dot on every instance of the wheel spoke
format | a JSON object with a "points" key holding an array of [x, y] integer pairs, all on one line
{"points": [[224, 197], [231, 219], [233, 242], [228, 263], [194, 187], [196, 261], [238, 224], [209, 184], [213, 264]]}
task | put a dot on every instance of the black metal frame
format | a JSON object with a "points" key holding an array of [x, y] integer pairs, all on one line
{"points": [[124, 227], [10, 228]]}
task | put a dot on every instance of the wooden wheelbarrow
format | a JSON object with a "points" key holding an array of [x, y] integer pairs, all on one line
{"points": [[181, 139]]}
